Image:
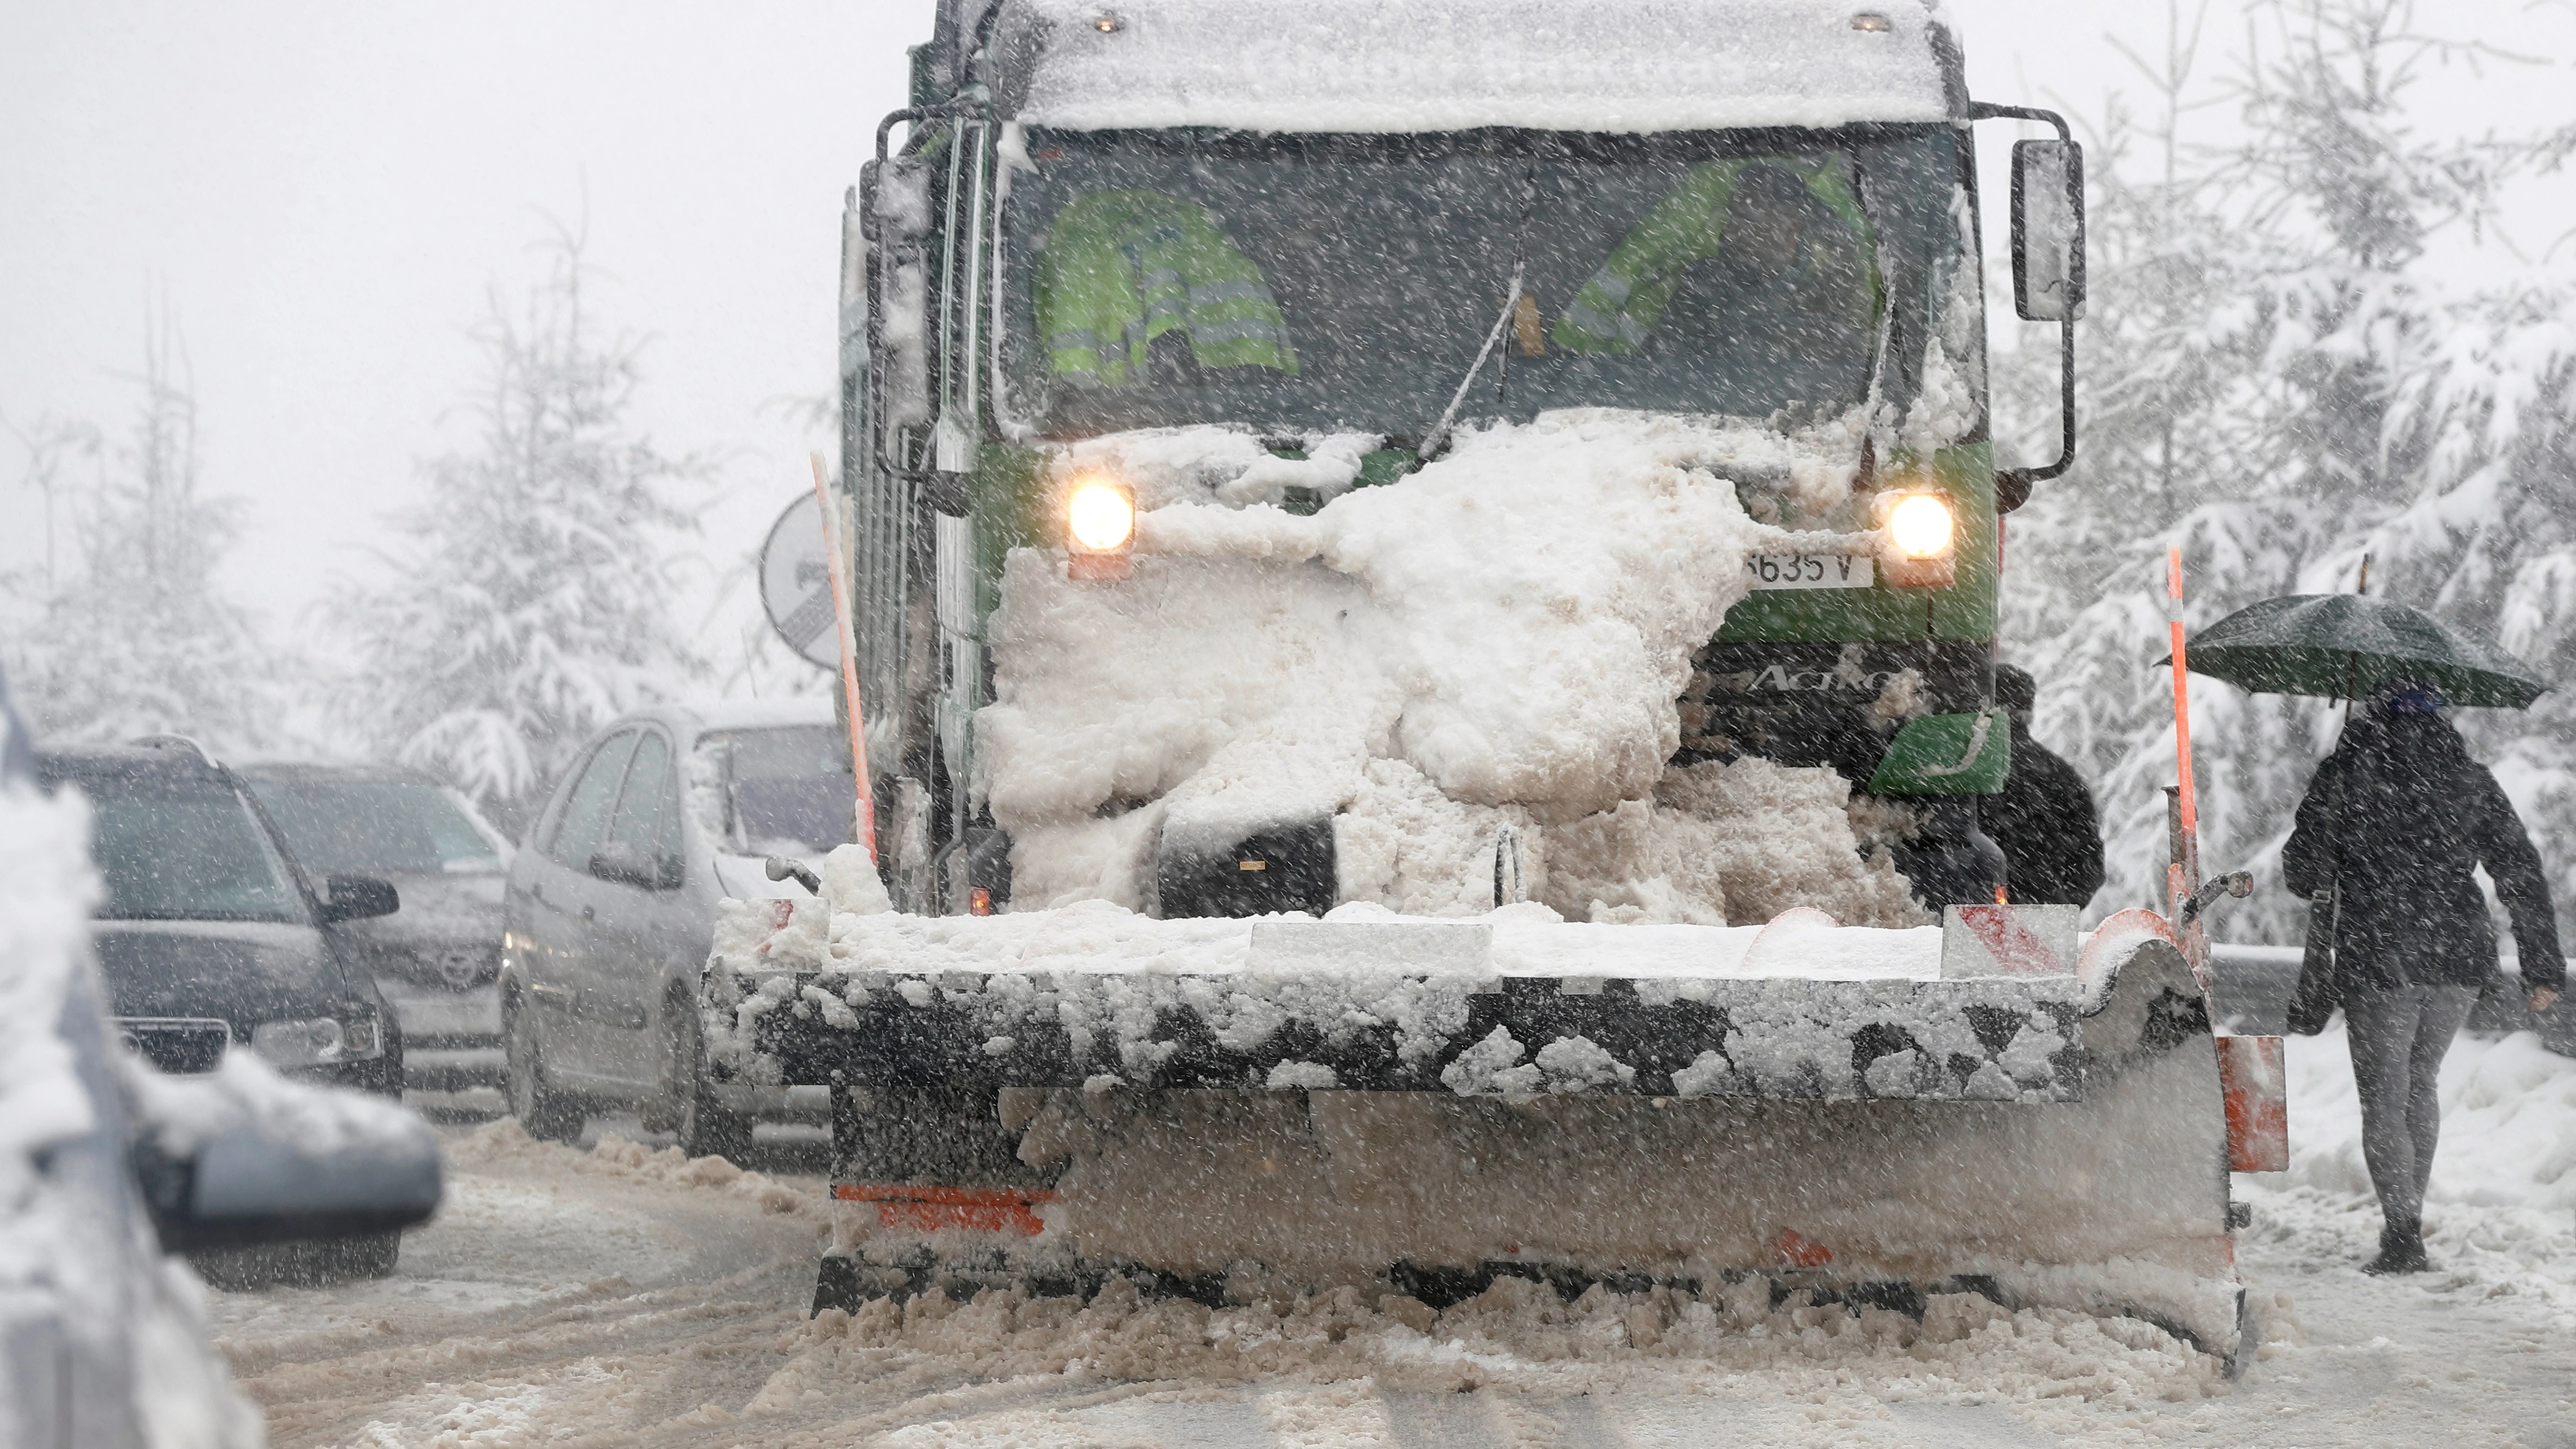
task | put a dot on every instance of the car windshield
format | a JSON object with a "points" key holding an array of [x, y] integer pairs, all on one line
{"points": [[787, 790], [192, 852], [1321, 283], [376, 827]]}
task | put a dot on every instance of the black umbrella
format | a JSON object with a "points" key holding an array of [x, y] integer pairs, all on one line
{"points": [[2346, 645]]}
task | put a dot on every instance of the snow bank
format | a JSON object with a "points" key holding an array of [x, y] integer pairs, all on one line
{"points": [[1359, 65], [1493, 643], [1517, 1336], [506, 1142], [80, 1272], [2504, 1179]]}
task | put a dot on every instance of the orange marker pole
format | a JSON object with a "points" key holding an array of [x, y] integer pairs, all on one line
{"points": [[866, 821], [2186, 871], [2182, 699]]}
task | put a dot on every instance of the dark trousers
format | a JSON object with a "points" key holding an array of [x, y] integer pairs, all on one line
{"points": [[2398, 1041]]}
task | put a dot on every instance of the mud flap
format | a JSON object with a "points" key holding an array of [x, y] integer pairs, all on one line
{"points": [[2253, 1077]]}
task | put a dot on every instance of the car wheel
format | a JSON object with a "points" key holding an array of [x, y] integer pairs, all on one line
{"points": [[705, 1126], [546, 1113]]}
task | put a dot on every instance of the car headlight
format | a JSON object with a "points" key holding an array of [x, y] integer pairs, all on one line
{"points": [[1922, 525], [317, 1041], [1100, 528]]}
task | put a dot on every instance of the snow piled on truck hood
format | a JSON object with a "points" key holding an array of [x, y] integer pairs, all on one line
{"points": [[1364, 65], [1495, 641]]}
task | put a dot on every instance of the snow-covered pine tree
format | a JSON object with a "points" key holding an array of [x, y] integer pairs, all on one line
{"points": [[2488, 538], [530, 606], [128, 631], [2338, 397]]}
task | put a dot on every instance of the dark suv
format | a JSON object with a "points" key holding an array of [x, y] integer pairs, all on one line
{"points": [[212, 934]]}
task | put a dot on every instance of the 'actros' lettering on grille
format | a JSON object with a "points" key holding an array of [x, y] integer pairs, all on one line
{"points": [[1781, 677]]}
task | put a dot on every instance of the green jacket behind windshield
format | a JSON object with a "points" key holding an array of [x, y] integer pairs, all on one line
{"points": [[1619, 305], [1124, 267]]}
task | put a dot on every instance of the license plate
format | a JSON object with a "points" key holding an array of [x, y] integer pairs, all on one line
{"points": [[180, 1046], [1810, 571]]}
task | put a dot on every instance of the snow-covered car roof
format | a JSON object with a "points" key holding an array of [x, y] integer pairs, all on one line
{"points": [[284, 769], [1616, 66], [80, 763]]}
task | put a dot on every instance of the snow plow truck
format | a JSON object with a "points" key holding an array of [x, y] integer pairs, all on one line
{"points": [[1421, 582]]}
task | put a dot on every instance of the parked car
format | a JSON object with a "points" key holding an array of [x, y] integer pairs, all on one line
{"points": [[437, 961], [611, 905], [106, 1166]]}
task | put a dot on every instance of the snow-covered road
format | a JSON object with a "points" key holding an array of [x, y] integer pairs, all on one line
{"points": [[623, 1296]]}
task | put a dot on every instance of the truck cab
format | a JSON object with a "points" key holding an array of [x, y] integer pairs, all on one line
{"points": [[1135, 264]]}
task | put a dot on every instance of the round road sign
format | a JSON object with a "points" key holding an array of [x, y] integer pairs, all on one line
{"points": [[796, 584]]}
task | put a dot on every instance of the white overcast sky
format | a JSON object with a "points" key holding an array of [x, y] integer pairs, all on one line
{"points": [[321, 195]]}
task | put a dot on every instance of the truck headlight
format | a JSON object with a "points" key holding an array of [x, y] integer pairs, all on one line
{"points": [[1101, 515], [1100, 528], [1922, 525], [317, 1041]]}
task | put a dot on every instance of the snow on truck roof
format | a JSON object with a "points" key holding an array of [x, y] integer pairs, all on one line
{"points": [[1367, 65]]}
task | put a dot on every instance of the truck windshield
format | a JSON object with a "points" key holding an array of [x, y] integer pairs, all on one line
{"points": [[1325, 283]]}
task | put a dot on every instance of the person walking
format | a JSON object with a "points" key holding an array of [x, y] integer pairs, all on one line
{"points": [[2043, 817], [2395, 819]]}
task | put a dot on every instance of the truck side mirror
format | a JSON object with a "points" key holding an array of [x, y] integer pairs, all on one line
{"points": [[2048, 269], [897, 308], [2048, 230], [854, 290]]}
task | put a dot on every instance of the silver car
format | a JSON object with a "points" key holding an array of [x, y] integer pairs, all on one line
{"points": [[437, 961], [611, 904]]}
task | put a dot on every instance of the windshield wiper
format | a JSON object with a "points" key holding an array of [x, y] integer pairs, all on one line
{"points": [[1438, 434]]}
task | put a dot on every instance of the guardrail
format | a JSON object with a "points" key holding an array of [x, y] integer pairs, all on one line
{"points": [[2254, 983]]}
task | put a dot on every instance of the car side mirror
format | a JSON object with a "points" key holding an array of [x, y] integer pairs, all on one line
{"points": [[358, 898], [321, 1162], [622, 864], [2048, 230]]}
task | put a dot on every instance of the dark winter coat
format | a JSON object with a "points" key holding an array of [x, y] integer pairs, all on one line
{"points": [[2400, 814], [2044, 820]]}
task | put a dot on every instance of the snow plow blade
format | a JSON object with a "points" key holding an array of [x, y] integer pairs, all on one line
{"points": [[1423, 1105]]}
